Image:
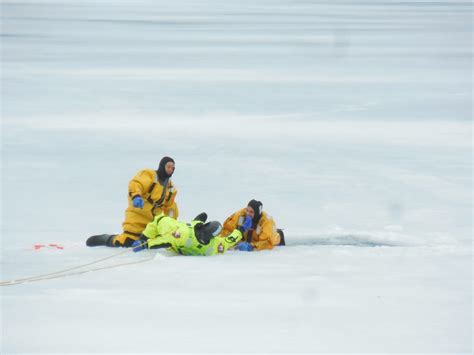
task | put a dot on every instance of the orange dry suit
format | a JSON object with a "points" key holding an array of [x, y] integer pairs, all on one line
{"points": [[262, 236], [158, 197]]}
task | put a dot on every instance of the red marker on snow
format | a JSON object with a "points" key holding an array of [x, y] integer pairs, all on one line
{"points": [[51, 245]]}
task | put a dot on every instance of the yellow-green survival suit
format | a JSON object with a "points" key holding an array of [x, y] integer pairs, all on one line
{"points": [[194, 238]]}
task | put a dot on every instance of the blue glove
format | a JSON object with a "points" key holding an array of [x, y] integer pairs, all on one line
{"points": [[137, 202], [246, 225], [139, 245], [244, 246]]}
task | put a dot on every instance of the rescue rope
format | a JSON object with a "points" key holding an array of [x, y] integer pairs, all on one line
{"points": [[67, 272]]}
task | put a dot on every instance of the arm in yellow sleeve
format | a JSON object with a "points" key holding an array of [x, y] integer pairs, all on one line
{"points": [[155, 237], [141, 183], [231, 223]]}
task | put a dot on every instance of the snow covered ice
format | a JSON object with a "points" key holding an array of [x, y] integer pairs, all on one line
{"points": [[350, 120]]}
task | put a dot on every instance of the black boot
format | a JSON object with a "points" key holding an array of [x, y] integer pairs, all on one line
{"points": [[201, 217], [282, 237], [101, 239]]}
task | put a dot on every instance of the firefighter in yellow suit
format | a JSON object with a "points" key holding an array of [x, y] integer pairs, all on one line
{"points": [[150, 193], [262, 235]]}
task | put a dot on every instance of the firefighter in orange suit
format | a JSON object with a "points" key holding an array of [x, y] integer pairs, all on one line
{"points": [[262, 235], [150, 193]]}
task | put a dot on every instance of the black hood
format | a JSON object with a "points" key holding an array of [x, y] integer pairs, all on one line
{"points": [[257, 208], [162, 175]]}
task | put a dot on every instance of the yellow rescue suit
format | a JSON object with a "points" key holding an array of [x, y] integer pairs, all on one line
{"points": [[158, 197], [264, 236], [180, 237]]}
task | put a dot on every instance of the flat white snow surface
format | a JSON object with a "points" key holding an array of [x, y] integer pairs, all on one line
{"points": [[350, 120]]}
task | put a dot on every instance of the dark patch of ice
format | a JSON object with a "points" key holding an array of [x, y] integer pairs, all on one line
{"points": [[344, 240]]}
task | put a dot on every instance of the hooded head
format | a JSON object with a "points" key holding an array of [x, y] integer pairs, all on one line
{"points": [[254, 207], [204, 232], [165, 170]]}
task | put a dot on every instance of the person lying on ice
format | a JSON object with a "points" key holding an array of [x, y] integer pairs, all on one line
{"points": [[263, 233], [150, 193], [194, 238]]}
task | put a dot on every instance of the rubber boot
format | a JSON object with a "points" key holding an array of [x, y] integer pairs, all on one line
{"points": [[100, 240], [201, 217], [282, 237]]}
